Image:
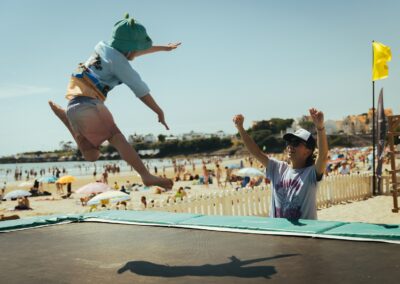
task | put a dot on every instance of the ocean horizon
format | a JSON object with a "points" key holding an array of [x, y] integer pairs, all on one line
{"points": [[78, 168]]}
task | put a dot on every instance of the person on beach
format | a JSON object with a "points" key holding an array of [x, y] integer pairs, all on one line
{"points": [[181, 193], [344, 169], [294, 187], [11, 217], [105, 177], [218, 173], [87, 118], [69, 191], [205, 175], [143, 202], [23, 204], [128, 186], [3, 191], [228, 173], [60, 188]]}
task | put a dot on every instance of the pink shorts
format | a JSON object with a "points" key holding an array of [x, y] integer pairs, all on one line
{"points": [[90, 119]]}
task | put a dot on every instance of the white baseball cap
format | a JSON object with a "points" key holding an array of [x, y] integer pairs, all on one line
{"points": [[303, 135]]}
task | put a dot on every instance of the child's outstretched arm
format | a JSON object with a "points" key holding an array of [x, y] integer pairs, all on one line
{"points": [[157, 48], [322, 142], [249, 142], [151, 103]]}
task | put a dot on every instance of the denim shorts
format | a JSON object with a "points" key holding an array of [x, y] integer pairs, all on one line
{"points": [[91, 119]]}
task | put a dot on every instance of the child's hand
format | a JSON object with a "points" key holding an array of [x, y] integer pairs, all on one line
{"points": [[172, 46], [317, 117], [238, 120], [161, 119]]}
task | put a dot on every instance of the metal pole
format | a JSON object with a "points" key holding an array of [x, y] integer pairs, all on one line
{"points": [[373, 140], [373, 129]]}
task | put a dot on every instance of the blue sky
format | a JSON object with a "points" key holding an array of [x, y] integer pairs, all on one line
{"points": [[262, 58]]}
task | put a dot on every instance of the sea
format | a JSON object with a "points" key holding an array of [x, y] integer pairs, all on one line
{"points": [[81, 168]]}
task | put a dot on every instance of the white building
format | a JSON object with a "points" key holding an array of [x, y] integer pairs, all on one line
{"points": [[150, 138], [220, 134], [171, 138], [135, 138], [149, 152], [192, 135], [331, 127]]}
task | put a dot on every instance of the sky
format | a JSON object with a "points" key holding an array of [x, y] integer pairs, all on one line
{"points": [[264, 59]]}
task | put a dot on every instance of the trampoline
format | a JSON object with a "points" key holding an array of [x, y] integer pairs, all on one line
{"points": [[75, 249]]}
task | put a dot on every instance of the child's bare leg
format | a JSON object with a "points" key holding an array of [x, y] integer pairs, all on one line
{"points": [[89, 152], [132, 158], [60, 112]]}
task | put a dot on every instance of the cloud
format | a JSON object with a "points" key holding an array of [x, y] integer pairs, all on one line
{"points": [[13, 91]]}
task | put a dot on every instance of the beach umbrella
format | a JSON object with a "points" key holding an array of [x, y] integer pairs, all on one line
{"points": [[233, 166], [335, 157], [16, 193], [26, 183], [113, 196], [66, 179], [250, 172], [336, 161], [93, 187], [370, 158], [48, 179]]}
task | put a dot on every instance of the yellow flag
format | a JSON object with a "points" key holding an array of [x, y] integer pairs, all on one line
{"points": [[382, 55]]}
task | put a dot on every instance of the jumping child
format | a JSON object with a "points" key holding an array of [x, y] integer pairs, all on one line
{"points": [[87, 118]]}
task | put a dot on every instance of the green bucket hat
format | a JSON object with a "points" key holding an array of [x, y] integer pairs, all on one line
{"points": [[129, 35]]}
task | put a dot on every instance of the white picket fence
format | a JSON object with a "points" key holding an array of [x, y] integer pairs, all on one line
{"points": [[343, 188], [256, 202], [226, 202], [386, 185]]}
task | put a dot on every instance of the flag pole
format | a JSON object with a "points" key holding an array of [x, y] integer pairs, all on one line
{"points": [[373, 140], [373, 130]]}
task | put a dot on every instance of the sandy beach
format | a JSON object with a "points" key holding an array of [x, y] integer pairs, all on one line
{"points": [[373, 210]]}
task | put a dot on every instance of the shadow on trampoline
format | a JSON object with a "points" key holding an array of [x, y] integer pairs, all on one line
{"points": [[388, 226], [232, 268], [296, 222]]}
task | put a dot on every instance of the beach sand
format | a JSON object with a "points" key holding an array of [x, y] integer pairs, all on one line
{"points": [[373, 210], [376, 210]]}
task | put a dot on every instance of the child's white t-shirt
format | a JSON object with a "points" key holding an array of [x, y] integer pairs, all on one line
{"points": [[112, 68], [294, 191]]}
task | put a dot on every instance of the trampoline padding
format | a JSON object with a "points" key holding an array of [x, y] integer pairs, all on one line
{"points": [[152, 217], [31, 222], [365, 230], [242, 224], [264, 224]]}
